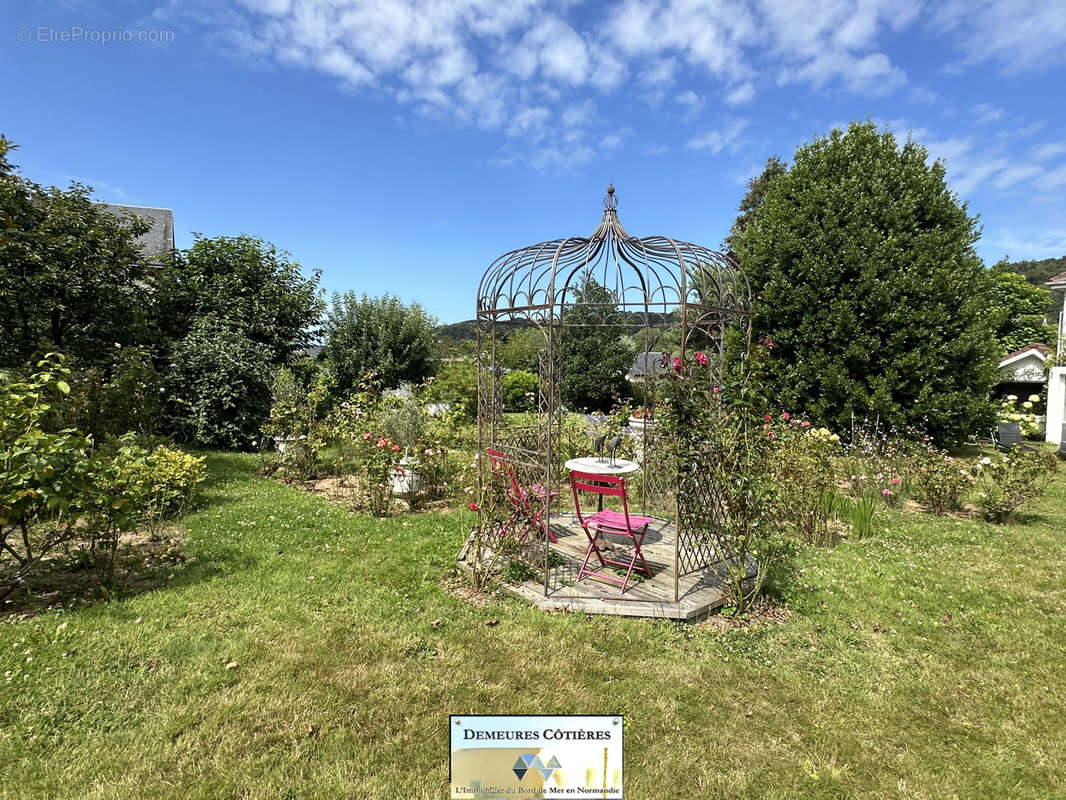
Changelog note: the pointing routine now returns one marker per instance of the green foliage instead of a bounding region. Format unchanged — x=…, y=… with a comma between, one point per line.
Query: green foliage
x=868, y=290
x=72, y=278
x=246, y=283
x=521, y=349
x=1007, y=482
x=803, y=467
x=1018, y=310
x=382, y=335
x=295, y=423
x=163, y=482
x=751, y=203
x=725, y=454
x=404, y=421
x=519, y=390
x=942, y=482
x=56, y=491
x=455, y=383
x=1038, y=273
x=127, y=397
x=218, y=386
x=1023, y=412
x=595, y=353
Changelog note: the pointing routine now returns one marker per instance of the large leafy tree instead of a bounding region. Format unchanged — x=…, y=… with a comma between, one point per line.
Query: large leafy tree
x=380, y=335
x=1019, y=311
x=869, y=289
x=246, y=283
x=595, y=352
x=72, y=277
x=230, y=310
x=1038, y=273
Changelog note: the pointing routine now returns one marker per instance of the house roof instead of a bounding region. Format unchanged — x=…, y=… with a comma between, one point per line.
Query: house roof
x=1058, y=281
x=647, y=364
x=1043, y=348
x=1038, y=349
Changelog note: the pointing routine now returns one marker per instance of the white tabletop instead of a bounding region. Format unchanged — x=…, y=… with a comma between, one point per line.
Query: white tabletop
x=619, y=466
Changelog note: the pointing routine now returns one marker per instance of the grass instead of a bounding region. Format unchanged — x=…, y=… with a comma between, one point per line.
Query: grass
x=311, y=653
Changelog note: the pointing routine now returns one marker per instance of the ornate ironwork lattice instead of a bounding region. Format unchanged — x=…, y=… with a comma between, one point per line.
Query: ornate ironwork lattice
x=670, y=295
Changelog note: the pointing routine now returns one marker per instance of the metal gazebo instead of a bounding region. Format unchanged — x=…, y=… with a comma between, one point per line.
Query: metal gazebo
x=660, y=290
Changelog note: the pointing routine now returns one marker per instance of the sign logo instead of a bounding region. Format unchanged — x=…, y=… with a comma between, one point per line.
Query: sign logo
x=536, y=757
x=528, y=761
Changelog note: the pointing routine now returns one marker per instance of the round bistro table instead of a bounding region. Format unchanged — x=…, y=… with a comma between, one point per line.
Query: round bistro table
x=606, y=466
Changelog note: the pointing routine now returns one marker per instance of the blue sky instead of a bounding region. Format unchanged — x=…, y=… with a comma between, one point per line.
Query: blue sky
x=401, y=146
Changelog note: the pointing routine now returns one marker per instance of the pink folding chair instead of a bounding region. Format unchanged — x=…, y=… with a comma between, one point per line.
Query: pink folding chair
x=607, y=522
x=527, y=503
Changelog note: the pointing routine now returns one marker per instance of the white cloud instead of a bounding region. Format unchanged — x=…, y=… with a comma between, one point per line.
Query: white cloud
x=718, y=139
x=1043, y=152
x=919, y=94
x=739, y=95
x=1020, y=35
x=1010, y=176
x=1055, y=179
x=986, y=112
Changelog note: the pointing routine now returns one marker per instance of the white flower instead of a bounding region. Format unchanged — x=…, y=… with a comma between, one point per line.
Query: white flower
x=986, y=461
x=1034, y=398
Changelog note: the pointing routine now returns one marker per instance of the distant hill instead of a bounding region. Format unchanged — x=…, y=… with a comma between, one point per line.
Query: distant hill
x=467, y=329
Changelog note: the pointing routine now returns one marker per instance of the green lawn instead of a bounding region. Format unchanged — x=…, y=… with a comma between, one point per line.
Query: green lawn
x=927, y=661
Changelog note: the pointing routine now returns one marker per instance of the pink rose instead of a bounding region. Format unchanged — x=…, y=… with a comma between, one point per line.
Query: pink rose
x=786, y=416
x=805, y=424
x=677, y=363
x=701, y=359
x=895, y=481
x=886, y=492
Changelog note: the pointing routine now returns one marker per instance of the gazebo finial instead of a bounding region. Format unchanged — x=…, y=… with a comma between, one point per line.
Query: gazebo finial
x=610, y=202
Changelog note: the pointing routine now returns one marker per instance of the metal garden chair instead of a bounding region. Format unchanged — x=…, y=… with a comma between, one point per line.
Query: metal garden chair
x=607, y=522
x=527, y=502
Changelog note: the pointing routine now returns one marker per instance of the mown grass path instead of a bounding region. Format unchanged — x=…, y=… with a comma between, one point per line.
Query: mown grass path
x=309, y=652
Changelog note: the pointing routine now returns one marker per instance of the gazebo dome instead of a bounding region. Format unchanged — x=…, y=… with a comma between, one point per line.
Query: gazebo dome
x=655, y=274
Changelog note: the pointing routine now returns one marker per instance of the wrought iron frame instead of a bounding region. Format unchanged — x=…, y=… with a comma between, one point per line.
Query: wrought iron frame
x=662, y=283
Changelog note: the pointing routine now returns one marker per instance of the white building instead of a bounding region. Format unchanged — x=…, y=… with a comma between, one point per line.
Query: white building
x=1056, y=381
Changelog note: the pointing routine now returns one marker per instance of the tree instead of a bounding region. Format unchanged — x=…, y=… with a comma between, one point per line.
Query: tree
x=595, y=354
x=1038, y=273
x=218, y=386
x=246, y=283
x=869, y=289
x=72, y=277
x=1018, y=310
x=751, y=203
x=382, y=335
x=521, y=350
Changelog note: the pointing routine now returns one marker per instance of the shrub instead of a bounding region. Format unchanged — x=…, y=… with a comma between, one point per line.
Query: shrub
x=866, y=279
x=404, y=421
x=56, y=491
x=1006, y=482
x=395, y=341
x=941, y=482
x=218, y=386
x=520, y=390
x=803, y=466
x=1024, y=413
x=727, y=449
x=294, y=423
x=455, y=383
x=163, y=481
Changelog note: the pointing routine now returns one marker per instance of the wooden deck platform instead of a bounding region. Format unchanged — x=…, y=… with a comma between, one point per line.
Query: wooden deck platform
x=698, y=594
